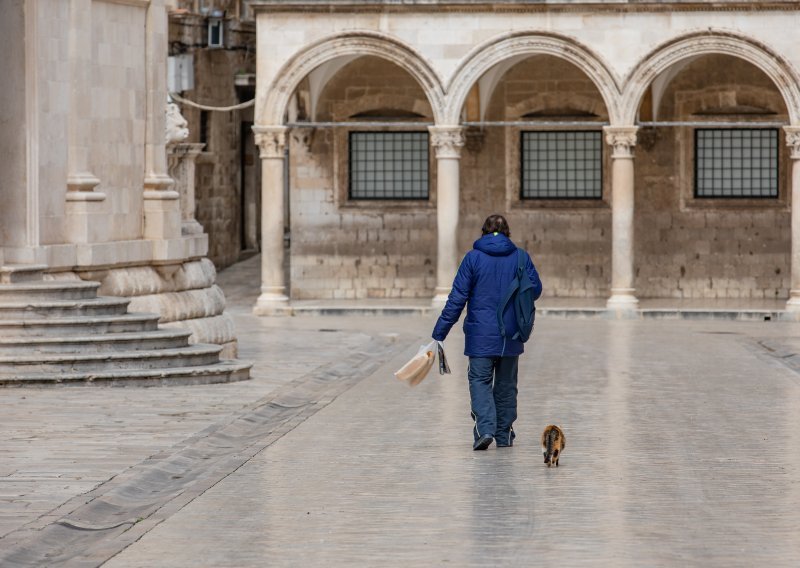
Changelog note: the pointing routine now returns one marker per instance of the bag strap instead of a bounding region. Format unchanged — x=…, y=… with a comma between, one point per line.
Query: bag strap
x=510, y=294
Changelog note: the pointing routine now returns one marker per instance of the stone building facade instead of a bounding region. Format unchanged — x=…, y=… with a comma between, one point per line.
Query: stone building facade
x=642, y=149
x=227, y=185
x=85, y=184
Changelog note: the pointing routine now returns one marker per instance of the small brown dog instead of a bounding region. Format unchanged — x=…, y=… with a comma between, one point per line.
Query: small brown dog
x=553, y=443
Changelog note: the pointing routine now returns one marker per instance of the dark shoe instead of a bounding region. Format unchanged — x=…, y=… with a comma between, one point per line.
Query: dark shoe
x=482, y=443
x=505, y=445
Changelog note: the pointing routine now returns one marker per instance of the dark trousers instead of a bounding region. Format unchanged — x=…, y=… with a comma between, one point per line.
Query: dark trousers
x=493, y=395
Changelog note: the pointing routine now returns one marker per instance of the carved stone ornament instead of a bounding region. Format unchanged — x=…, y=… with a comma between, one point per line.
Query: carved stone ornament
x=271, y=141
x=622, y=140
x=793, y=140
x=303, y=138
x=177, y=125
x=447, y=142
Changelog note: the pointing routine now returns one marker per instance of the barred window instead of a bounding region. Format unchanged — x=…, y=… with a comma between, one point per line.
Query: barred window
x=388, y=165
x=736, y=162
x=562, y=165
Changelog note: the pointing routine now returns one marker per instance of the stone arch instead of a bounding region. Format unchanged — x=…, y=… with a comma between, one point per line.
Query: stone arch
x=344, y=47
x=519, y=44
x=694, y=44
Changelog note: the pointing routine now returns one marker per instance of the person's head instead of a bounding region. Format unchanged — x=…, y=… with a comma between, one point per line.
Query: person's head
x=496, y=224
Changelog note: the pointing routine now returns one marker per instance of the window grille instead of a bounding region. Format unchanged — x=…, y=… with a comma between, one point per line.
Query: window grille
x=736, y=162
x=388, y=165
x=562, y=165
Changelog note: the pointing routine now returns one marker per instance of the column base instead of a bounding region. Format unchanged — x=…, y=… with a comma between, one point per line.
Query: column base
x=793, y=304
x=622, y=304
x=272, y=304
x=191, y=227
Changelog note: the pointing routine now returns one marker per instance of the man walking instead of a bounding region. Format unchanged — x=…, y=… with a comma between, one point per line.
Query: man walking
x=481, y=284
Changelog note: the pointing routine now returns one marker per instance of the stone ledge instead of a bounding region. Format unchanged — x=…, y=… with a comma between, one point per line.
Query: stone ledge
x=108, y=254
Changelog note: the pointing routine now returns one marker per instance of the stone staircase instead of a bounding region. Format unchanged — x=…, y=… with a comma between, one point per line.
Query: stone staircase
x=61, y=332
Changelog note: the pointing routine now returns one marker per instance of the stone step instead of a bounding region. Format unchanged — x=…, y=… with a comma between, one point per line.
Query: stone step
x=13, y=273
x=50, y=290
x=222, y=372
x=54, y=326
x=105, y=343
x=25, y=309
x=191, y=356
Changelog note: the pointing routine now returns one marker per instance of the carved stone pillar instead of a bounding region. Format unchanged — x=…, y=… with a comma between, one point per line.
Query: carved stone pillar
x=85, y=218
x=162, y=215
x=447, y=142
x=271, y=141
x=622, y=140
x=793, y=141
x=182, y=161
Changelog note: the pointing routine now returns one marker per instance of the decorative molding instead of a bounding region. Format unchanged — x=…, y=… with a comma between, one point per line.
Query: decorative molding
x=32, y=123
x=705, y=42
x=157, y=182
x=365, y=42
x=485, y=56
x=271, y=141
x=447, y=141
x=793, y=141
x=82, y=182
x=136, y=3
x=622, y=139
x=303, y=138
x=522, y=7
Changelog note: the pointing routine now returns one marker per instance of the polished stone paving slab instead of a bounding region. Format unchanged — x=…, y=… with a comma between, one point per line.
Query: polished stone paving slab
x=683, y=450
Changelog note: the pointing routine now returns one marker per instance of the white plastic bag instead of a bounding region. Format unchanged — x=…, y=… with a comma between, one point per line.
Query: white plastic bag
x=415, y=371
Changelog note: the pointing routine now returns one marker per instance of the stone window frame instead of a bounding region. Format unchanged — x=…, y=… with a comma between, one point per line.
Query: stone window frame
x=341, y=174
x=514, y=200
x=685, y=168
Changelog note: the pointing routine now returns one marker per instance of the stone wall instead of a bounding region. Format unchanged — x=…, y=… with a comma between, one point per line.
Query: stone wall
x=218, y=191
x=709, y=248
x=570, y=242
x=357, y=249
x=685, y=247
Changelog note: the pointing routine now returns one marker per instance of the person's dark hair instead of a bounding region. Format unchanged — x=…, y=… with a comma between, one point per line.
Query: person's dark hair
x=496, y=224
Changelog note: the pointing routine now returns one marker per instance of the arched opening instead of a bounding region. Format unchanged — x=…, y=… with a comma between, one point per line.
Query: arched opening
x=712, y=183
x=361, y=178
x=535, y=151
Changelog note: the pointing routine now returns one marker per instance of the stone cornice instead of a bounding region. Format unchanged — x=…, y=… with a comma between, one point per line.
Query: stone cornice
x=522, y=6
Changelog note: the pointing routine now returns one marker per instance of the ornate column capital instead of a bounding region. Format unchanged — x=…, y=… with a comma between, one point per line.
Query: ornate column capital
x=793, y=141
x=447, y=141
x=271, y=141
x=622, y=139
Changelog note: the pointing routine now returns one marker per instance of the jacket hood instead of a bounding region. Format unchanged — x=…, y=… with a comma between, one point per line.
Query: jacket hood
x=495, y=244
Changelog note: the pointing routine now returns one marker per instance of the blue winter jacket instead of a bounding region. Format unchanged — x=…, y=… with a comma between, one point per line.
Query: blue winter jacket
x=482, y=280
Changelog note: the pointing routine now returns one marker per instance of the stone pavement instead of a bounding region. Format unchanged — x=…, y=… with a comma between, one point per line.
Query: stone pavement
x=683, y=442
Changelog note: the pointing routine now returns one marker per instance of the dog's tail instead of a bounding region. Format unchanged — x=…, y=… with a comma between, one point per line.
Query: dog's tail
x=552, y=436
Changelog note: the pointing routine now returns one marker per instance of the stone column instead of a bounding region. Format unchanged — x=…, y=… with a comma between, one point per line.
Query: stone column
x=447, y=142
x=162, y=215
x=622, y=140
x=182, y=161
x=271, y=141
x=793, y=141
x=85, y=217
